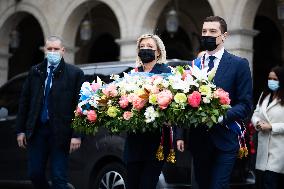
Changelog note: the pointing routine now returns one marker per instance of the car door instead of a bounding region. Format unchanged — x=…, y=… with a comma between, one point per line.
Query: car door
x=13, y=164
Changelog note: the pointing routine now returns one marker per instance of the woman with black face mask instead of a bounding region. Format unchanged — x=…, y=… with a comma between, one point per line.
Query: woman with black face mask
x=143, y=169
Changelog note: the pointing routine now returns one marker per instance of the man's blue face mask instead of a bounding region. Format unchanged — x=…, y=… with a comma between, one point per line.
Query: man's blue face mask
x=53, y=58
x=273, y=85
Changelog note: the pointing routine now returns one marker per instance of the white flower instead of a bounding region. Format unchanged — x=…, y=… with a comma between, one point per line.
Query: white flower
x=178, y=84
x=206, y=100
x=85, y=112
x=99, y=81
x=165, y=83
x=93, y=101
x=114, y=77
x=86, y=91
x=82, y=103
x=86, y=88
x=158, y=81
x=150, y=114
x=109, y=102
x=199, y=74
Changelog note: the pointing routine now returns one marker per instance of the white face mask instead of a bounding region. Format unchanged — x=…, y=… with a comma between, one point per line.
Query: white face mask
x=53, y=57
x=273, y=85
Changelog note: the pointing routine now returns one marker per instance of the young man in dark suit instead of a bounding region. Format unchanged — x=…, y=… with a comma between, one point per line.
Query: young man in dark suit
x=215, y=150
x=49, y=98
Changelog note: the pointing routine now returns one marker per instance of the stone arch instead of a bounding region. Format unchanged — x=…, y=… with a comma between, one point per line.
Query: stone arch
x=218, y=7
x=248, y=10
x=190, y=22
x=243, y=11
x=7, y=20
x=105, y=31
x=146, y=23
x=74, y=14
x=76, y=11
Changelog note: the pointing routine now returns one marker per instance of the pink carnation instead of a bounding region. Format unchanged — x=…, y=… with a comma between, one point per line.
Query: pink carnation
x=92, y=115
x=110, y=90
x=127, y=115
x=123, y=101
x=194, y=99
x=223, y=96
x=138, y=103
x=164, y=98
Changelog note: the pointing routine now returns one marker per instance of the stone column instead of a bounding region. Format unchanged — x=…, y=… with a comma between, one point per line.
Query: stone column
x=127, y=48
x=240, y=43
x=69, y=55
x=4, y=60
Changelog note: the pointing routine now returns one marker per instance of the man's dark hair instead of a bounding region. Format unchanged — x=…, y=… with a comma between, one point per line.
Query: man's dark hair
x=279, y=71
x=223, y=24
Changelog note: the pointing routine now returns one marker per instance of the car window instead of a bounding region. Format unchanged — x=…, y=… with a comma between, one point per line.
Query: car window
x=10, y=94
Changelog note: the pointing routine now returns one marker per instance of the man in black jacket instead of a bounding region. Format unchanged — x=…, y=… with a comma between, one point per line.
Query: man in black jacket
x=49, y=98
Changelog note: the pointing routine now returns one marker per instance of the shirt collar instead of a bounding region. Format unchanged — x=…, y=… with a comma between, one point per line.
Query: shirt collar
x=55, y=66
x=218, y=54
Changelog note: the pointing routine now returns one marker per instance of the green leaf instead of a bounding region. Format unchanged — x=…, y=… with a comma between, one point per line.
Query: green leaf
x=214, y=119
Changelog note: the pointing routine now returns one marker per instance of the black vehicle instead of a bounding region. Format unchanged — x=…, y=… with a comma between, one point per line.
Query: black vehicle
x=99, y=161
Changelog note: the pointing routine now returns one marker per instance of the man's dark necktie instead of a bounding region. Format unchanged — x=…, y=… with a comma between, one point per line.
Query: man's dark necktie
x=44, y=112
x=211, y=63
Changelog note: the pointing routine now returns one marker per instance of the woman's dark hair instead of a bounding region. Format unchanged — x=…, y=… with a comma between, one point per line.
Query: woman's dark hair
x=279, y=71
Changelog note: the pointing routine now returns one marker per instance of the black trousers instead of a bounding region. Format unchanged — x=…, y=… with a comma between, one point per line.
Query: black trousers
x=269, y=180
x=143, y=174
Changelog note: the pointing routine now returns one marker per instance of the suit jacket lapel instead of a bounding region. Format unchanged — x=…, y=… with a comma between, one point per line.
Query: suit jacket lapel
x=223, y=66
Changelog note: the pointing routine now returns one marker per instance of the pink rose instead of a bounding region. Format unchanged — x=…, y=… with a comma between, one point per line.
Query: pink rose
x=79, y=111
x=95, y=86
x=155, y=90
x=110, y=90
x=223, y=96
x=130, y=97
x=92, y=115
x=138, y=103
x=123, y=101
x=127, y=115
x=156, y=78
x=194, y=99
x=164, y=98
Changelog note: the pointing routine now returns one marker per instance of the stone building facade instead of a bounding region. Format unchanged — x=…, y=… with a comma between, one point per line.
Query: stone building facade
x=253, y=27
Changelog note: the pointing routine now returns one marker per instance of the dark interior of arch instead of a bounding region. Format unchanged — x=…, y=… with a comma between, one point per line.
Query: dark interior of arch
x=28, y=53
x=267, y=52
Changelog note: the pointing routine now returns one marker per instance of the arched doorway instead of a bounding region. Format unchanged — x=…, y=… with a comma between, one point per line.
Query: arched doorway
x=31, y=39
x=101, y=47
x=185, y=43
x=104, y=49
x=267, y=52
x=178, y=46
